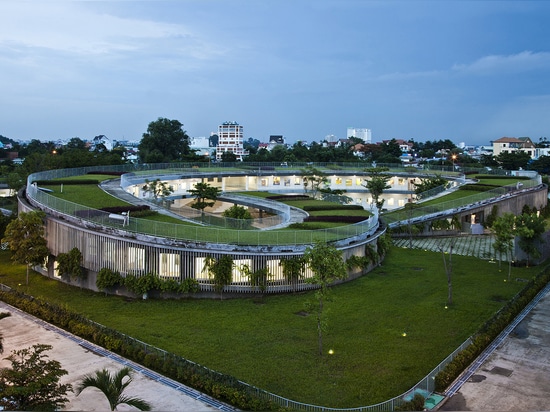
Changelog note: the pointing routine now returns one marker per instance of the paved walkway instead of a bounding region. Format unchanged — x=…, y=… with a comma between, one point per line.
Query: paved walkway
x=480, y=246
x=113, y=188
x=515, y=375
x=80, y=357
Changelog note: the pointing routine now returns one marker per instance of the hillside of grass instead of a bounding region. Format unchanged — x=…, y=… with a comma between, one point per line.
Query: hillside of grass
x=271, y=342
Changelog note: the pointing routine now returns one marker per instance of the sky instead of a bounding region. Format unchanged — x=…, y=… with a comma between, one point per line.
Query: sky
x=469, y=71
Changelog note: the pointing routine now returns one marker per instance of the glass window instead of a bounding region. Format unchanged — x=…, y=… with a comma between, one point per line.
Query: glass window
x=136, y=259
x=169, y=265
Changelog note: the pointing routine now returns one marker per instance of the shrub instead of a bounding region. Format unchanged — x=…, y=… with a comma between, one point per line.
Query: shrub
x=316, y=208
x=107, y=278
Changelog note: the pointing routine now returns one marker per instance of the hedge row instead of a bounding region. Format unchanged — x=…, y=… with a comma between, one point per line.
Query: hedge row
x=223, y=387
x=289, y=197
x=315, y=208
x=502, y=177
x=97, y=172
x=127, y=208
x=67, y=182
x=337, y=219
x=478, y=187
x=491, y=329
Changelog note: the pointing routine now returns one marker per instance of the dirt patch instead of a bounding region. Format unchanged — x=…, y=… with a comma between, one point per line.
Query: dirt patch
x=302, y=313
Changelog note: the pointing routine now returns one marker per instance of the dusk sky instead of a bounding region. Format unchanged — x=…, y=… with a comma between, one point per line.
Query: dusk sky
x=468, y=71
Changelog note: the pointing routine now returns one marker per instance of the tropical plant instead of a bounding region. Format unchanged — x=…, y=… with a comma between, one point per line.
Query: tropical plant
x=376, y=184
x=25, y=237
x=113, y=387
x=157, y=189
x=205, y=195
x=313, y=180
x=258, y=278
x=69, y=264
x=32, y=382
x=293, y=270
x=220, y=270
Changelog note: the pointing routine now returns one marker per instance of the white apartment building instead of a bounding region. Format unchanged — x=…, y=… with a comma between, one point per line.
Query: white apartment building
x=514, y=144
x=363, y=134
x=230, y=139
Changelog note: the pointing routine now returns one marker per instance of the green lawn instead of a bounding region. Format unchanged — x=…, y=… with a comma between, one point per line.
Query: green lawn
x=268, y=343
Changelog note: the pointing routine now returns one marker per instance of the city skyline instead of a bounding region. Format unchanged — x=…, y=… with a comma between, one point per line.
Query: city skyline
x=466, y=71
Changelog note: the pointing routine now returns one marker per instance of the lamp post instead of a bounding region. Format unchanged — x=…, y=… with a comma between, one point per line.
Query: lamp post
x=453, y=157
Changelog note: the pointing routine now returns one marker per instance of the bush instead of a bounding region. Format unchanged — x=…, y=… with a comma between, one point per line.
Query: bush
x=336, y=219
x=316, y=208
x=107, y=278
x=67, y=182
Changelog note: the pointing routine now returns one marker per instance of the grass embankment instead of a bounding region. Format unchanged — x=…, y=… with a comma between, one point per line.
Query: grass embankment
x=270, y=344
x=91, y=195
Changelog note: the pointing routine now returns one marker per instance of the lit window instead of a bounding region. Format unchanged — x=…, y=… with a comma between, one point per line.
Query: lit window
x=169, y=265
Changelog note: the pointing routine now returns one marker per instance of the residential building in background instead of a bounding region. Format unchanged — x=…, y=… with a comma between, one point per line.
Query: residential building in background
x=514, y=144
x=363, y=134
x=230, y=139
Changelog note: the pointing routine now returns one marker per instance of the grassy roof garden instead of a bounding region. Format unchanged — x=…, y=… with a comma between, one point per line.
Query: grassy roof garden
x=386, y=330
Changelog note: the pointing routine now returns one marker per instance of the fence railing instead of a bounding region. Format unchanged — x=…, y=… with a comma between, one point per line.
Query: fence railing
x=425, y=385
x=407, y=214
x=184, y=231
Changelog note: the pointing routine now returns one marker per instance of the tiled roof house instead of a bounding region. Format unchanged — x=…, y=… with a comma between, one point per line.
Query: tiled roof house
x=513, y=144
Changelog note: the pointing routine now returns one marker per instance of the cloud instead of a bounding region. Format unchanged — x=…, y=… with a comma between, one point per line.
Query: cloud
x=73, y=28
x=520, y=62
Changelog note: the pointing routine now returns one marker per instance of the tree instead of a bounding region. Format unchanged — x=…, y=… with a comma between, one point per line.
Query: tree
x=376, y=184
x=448, y=266
x=427, y=184
x=113, y=387
x=327, y=265
x=514, y=160
x=69, y=264
x=240, y=214
x=504, y=230
x=258, y=278
x=164, y=141
x=228, y=157
x=205, y=196
x=313, y=180
x=293, y=270
x=25, y=237
x=157, y=189
x=220, y=270
x=529, y=229
x=32, y=382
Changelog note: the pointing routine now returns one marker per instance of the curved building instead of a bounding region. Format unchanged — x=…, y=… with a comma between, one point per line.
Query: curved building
x=133, y=246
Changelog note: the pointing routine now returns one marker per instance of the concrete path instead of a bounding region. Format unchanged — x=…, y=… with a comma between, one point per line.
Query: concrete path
x=516, y=376
x=80, y=358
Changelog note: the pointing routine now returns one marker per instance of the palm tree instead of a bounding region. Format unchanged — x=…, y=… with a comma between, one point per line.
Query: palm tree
x=113, y=387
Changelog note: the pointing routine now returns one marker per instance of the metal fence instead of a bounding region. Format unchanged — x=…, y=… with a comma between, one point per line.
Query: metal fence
x=182, y=231
x=426, y=384
x=404, y=215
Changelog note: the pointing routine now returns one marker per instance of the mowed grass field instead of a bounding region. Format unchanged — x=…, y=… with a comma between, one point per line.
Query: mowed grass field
x=269, y=343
